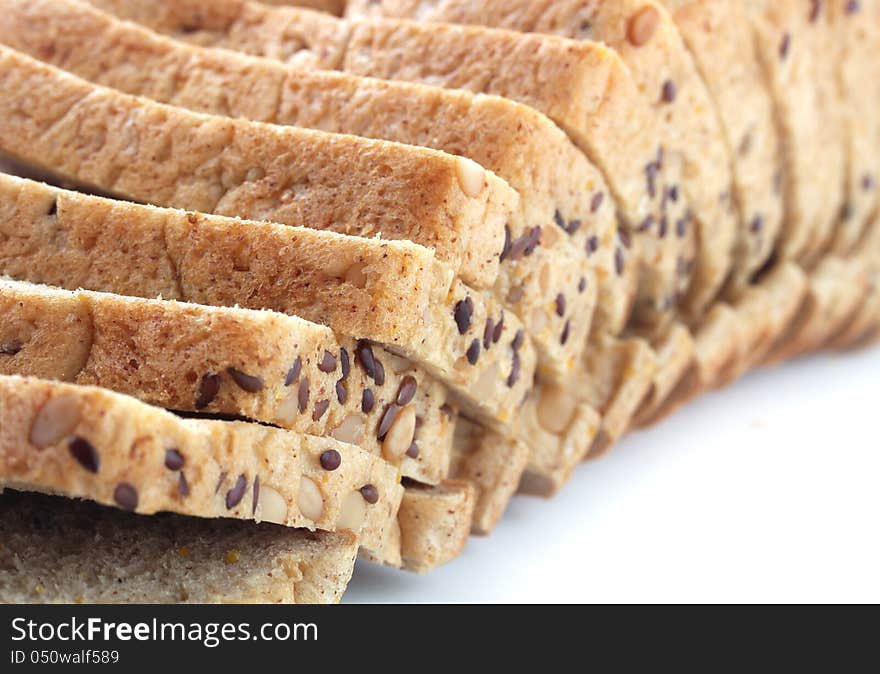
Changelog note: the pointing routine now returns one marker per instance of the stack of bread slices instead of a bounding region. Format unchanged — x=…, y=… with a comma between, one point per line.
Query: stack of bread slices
x=283, y=286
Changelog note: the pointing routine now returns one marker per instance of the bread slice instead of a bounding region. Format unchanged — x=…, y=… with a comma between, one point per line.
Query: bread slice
x=838, y=289
x=72, y=240
x=87, y=442
x=643, y=34
x=861, y=329
x=722, y=44
x=58, y=551
x=799, y=50
x=435, y=523
x=257, y=365
x=148, y=152
x=563, y=199
x=796, y=47
x=840, y=285
x=857, y=28
x=560, y=428
x=601, y=108
x=494, y=464
x=625, y=370
x=763, y=314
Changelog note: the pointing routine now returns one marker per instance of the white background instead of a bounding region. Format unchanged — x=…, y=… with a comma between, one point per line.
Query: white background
x=768, y=491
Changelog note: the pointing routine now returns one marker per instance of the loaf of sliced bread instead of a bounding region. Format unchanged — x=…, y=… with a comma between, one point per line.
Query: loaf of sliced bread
x=563, y=200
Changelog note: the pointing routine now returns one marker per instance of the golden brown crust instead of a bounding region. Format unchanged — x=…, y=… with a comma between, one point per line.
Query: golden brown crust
x=85, y=442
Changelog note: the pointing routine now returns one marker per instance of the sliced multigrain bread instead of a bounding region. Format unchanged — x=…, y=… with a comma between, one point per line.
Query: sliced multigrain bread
x=72, y=240
x=493, y=463
x=149, y=152
x=560, y=429
x=797, y=52
x=86, y=442
x=643, y=34
x=719, y=38
x=435, y=523
x=584, y=87
x=60, y=551
x=839, y=287
x=257, y=365
x=857, y=26
x=862, y=328
x=840, y=283
x=563, y=200
x=623, y=372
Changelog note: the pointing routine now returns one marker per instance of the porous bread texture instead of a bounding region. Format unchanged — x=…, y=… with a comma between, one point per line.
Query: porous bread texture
x=796, y=48
x=584, y=87
x=722, y=45
x=257, y=365
x=71, y=240
x=149, y=152
x=662, y=67
x=643, y=34
x=61, y=551
x=86, y=442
